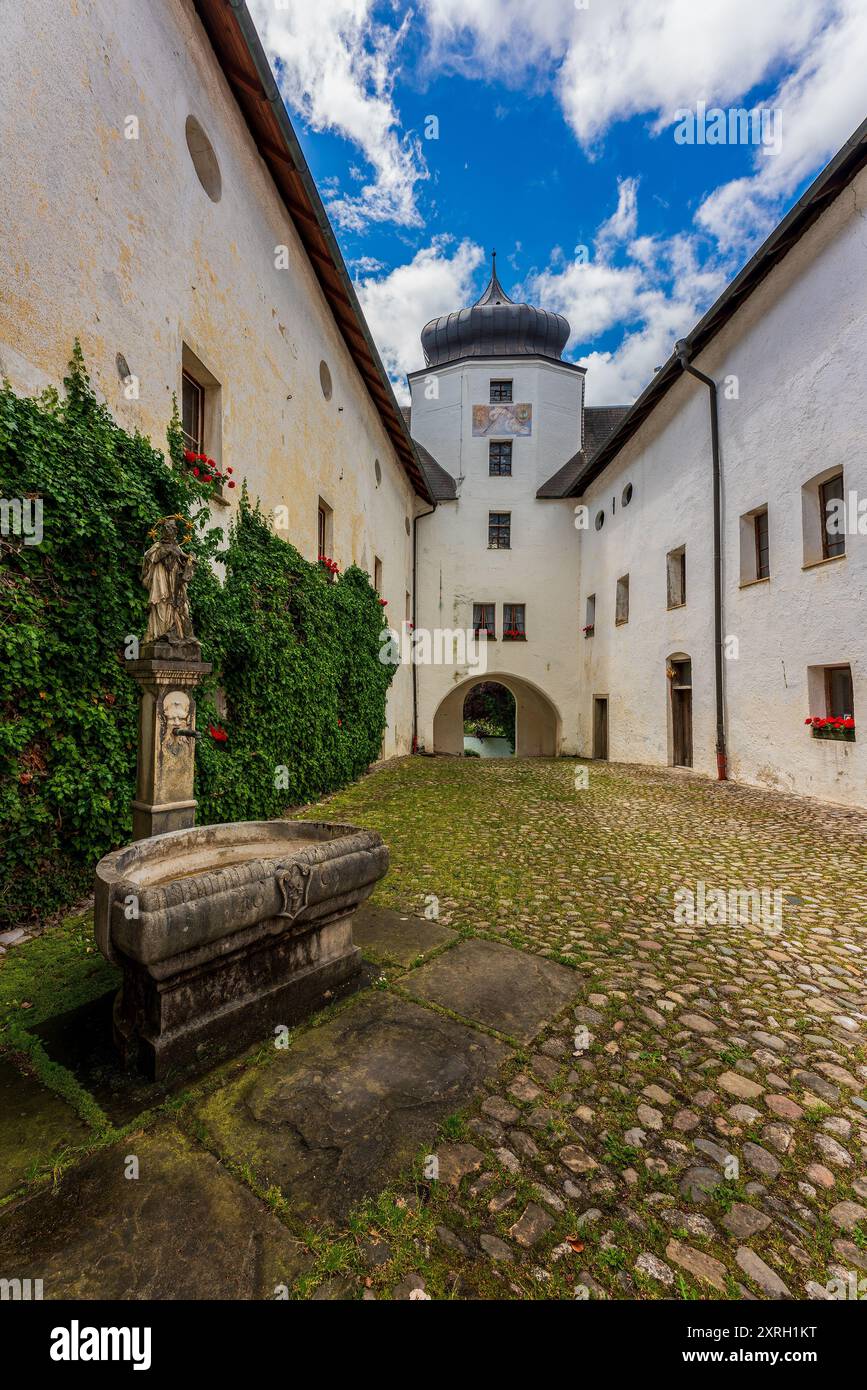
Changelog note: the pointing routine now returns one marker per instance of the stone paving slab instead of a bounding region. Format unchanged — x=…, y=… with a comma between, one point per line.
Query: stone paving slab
x=491, y=984
x=184, y=1229
x=36, y=1126
x=337, y=1115
x=397, y=936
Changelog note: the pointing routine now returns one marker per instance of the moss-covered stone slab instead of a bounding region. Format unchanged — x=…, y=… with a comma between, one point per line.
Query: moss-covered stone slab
x=182, y=1229
x=397, y=936
x=37, y=1126
x=352, y=1102
x=515, y=993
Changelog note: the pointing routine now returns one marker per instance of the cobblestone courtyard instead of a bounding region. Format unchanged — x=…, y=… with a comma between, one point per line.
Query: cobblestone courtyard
x=693, y=1123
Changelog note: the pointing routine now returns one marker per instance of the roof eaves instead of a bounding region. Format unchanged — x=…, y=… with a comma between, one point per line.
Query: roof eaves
x=245, y=65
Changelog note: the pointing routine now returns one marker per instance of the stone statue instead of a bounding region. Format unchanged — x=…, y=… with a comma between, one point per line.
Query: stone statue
x=166, y=573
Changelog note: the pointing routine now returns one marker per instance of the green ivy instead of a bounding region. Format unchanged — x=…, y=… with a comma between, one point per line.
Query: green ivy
x=296, y=656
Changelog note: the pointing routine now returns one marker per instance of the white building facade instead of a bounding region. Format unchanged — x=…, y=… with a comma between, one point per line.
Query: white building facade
x=619, y=655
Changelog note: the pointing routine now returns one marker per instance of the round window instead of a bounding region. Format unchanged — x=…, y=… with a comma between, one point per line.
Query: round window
x=377, y=468
x=600, y=520
x=627, y=495
x=204, y=160
x=325, y=380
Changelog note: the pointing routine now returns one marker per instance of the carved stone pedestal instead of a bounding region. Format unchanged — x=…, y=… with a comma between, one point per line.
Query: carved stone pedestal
x=168, y=673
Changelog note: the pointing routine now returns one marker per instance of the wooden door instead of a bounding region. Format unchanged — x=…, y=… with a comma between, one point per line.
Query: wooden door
x=600, y=727
x=681, y=712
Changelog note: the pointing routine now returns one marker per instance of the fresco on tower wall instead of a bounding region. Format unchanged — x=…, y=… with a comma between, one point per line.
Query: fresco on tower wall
x=505, y=418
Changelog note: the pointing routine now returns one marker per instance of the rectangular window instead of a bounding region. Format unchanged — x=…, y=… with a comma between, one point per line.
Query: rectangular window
x=500, y=391
x=590, y=615
x=763, y=550
x=408, y=606
x=833, y=534
x=676, y=572
x=838, y=692
x=202, y=414
x=621, y=610
x=324, y=529
x=500, y=458
x=500, y=530
x=484, y=619
x=514, y=623
x=193, y=414
x=377, y=574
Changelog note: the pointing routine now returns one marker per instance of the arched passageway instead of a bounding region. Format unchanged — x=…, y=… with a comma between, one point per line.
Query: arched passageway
x=489, y=721
x=537, y=723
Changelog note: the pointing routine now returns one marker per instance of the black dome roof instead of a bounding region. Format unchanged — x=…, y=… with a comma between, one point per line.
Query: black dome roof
x=494, y=327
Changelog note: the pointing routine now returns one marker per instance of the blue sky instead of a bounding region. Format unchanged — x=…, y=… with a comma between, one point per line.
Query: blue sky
x=556, y=131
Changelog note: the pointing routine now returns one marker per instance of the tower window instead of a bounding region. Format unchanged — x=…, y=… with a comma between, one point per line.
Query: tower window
x=500, y=391
x=500, y=530
x=500, y=458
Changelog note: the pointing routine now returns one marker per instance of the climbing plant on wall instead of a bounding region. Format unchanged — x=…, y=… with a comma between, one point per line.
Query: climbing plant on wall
x=302, y=700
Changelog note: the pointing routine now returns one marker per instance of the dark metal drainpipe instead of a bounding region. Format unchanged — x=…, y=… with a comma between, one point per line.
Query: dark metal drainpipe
x=682, y=350
x=415, y=521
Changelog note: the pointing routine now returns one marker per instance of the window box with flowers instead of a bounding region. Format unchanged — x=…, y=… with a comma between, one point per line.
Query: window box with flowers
x=329, y=567
x=838, y=727
x=205, y=471
x=512, y=634
x=589, y=629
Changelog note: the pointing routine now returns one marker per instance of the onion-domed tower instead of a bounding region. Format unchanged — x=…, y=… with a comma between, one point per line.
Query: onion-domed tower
x=495, y=326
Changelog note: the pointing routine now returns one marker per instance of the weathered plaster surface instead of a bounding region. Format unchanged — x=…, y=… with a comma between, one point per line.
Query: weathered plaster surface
x=115, y=241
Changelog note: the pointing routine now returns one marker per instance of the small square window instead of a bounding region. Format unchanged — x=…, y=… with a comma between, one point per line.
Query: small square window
x=484, y=619
x=514, y=622
x=500, y=391
x=621, y=611
x=500, y=530
x=500, y=458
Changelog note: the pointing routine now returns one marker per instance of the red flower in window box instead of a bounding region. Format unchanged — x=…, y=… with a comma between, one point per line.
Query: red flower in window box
x=588, y=630
x=512, y=634
x=840, y=726
x=383, y=603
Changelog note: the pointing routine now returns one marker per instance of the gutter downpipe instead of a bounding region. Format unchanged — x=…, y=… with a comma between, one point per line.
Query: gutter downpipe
x=682, y=350
x=416, y=519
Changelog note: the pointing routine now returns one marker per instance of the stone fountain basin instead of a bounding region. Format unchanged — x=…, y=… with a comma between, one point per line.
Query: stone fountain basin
x=161, y=897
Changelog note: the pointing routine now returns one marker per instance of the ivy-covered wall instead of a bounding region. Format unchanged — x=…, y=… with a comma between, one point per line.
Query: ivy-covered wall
x=296, y=656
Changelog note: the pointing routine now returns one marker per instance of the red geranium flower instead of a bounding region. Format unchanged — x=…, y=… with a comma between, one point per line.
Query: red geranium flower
x=218, y=735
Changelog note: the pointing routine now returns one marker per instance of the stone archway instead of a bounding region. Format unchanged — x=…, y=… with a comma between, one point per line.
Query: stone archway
x=537, y=722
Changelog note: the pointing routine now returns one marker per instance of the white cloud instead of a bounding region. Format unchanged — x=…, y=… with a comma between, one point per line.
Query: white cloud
x=822, y=102
x=656, y=292
x=619, y=59
x=613, y=61
x=336, y=66
x=621, y=225
x=438, y=280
